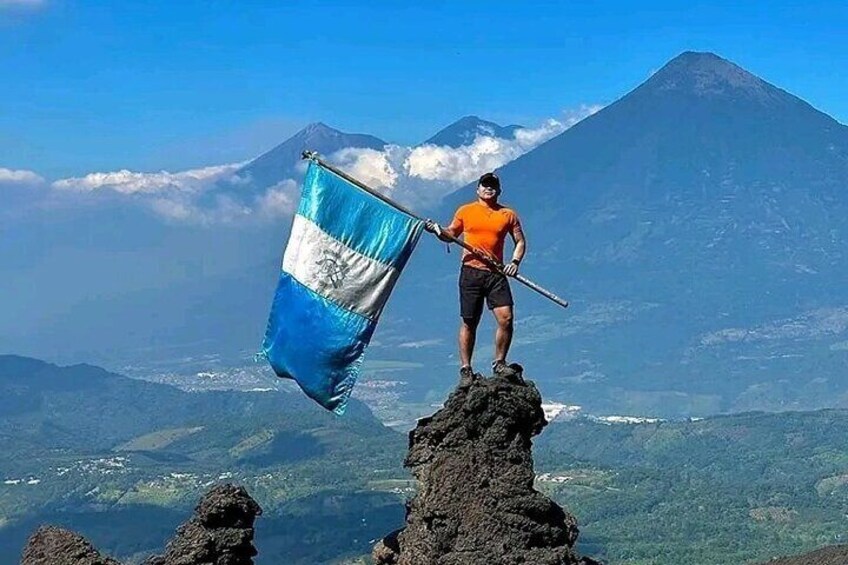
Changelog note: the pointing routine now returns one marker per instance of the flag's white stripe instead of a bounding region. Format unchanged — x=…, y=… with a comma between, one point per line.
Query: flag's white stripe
x=335, y=271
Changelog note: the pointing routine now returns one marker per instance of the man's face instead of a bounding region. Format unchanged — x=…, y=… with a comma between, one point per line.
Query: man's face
x=488, y=193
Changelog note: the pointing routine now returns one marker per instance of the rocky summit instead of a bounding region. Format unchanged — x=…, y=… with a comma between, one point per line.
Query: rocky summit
x=50, y=545
x=220, y=533
x=476, y=502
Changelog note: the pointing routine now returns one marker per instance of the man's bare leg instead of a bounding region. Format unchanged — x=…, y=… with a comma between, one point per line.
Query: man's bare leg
x=467, y=338
x=503, y=335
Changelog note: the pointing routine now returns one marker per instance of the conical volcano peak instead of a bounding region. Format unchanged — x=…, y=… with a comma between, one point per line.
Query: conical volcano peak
x=282, y=162
x=465, y=130
x=317, y=128
x=707, y=74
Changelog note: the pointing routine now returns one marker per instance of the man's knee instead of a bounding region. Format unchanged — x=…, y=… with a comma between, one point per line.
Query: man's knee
x=471, y=322
x=504, y=317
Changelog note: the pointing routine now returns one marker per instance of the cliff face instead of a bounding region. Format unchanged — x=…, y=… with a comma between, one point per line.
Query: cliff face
x=476, y=502
x=219, y=533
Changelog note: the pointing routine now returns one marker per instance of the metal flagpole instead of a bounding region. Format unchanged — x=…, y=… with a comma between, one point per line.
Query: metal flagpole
x=491, y=262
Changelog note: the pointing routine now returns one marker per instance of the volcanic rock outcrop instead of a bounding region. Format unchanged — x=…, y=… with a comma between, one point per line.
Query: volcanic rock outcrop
x=220, y=533
x=476, y=502
x=50, y=545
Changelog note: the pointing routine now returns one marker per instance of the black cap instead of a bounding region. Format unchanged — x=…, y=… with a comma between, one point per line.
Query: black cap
x=490, y=180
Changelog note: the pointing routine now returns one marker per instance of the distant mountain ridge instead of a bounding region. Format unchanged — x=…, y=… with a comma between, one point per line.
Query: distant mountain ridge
x=465, y=130
x=281, y=162
x=99, y=409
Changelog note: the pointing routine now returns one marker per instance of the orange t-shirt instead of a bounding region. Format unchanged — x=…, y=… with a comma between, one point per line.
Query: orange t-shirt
x=484, y=228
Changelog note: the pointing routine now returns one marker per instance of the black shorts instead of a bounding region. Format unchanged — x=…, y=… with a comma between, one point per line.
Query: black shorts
x=476, y=285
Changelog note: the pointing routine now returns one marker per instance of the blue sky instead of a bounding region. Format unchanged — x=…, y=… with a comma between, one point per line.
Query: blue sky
x=97, y=85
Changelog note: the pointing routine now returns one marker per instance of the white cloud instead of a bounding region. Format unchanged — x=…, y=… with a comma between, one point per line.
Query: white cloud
x=173, y=209
x=129, y=182
x=280, y=200
x=190, y=196
x=385, y=171
x=184, y=196
x=460, y=165
x=22, y=177
x=372, y=167
x=421, y=176
x=416, y=176
x=223, y=209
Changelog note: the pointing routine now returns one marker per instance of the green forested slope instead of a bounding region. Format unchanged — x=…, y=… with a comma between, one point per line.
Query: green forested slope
x=123, y=461
x=725, y=490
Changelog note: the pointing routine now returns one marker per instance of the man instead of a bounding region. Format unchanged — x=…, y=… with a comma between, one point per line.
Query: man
x=484, y=225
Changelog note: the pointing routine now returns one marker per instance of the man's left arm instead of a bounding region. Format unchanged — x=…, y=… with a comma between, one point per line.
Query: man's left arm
x=511, y=268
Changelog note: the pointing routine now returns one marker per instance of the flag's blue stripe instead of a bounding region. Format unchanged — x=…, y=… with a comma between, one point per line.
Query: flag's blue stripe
x=357, y=219
x=316, y=342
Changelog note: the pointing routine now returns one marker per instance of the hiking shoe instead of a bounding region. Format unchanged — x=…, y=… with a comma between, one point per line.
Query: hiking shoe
x=511, y=372
x=466, y=376
x=500, y=368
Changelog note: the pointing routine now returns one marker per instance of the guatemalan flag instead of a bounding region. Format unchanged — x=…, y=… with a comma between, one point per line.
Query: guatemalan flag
x=344, y=255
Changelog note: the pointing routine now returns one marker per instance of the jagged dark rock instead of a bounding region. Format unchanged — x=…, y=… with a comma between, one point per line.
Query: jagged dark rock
x=50, y=545
x=220, y=532
x=476, y=502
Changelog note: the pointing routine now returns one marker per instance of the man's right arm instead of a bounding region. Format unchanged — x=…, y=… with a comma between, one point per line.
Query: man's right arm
x=454, y=230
